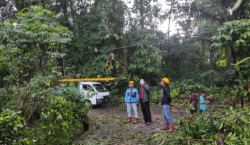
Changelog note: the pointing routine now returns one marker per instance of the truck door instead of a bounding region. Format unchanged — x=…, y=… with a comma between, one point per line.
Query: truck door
x=88, y=90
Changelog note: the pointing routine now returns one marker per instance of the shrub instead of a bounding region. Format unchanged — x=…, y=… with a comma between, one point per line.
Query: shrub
x=10, y=125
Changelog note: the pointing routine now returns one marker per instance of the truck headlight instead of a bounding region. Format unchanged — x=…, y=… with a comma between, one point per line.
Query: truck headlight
x=99, y=97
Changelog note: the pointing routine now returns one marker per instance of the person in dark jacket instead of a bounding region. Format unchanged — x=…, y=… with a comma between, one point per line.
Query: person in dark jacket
x=193, y=101
x=165, y=105
x=144, y=101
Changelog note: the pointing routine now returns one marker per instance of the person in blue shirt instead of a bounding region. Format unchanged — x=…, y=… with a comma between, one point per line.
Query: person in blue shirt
x=131, y=101
x=203, y=102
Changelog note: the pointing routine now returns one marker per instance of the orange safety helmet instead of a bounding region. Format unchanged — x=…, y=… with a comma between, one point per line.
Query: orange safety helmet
x=166, y=80
x=131, y=82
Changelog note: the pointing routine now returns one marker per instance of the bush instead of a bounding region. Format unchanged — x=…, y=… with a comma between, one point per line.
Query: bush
x=60, y=121
x=31, y=82
x=56, y=119
x=230, y=126
x=10, y=126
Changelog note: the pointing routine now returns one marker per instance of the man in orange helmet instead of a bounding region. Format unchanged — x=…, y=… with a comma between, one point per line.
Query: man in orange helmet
x=165, y=105
x=131, y=100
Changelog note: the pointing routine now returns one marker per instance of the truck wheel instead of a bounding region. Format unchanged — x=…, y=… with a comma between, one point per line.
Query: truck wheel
x=86, y=126
x=88, y=103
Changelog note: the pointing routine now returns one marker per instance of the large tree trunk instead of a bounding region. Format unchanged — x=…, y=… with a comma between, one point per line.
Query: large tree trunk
x=125, y=62
x=248, y=87
x=141, y=14
x=169, y=20
x=236, y=73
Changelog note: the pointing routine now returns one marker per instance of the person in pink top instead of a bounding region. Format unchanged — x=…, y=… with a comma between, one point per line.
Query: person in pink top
x=193, y=101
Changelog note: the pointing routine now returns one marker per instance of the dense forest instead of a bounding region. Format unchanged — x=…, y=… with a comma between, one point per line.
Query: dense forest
x=43, y=41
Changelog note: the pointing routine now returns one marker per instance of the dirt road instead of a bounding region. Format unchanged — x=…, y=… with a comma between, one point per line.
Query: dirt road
x=108, y=126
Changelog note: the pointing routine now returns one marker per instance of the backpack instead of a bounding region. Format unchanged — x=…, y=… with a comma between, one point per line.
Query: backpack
x=133, y=94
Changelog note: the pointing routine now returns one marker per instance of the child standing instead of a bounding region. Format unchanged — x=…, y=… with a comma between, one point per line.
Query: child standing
x=194, y=101
x=203, y=102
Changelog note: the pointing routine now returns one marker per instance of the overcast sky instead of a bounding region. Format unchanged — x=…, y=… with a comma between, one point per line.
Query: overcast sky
x=164, y=25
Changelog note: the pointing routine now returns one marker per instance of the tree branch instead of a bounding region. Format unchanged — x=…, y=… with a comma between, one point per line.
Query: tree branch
x=30, y=104
x=190, y=139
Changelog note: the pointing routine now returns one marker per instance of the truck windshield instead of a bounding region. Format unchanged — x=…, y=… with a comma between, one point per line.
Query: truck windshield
x=100, y=88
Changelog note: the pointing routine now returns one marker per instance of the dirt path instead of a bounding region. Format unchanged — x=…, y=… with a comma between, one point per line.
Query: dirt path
x=108, y=126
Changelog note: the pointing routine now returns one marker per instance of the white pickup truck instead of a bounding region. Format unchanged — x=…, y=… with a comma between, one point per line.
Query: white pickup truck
x=101, y=94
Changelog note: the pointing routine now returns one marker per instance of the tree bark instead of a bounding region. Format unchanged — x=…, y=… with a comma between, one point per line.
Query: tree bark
x=141, y=14
x=169, y=20
x=220, y=139
x=237, y=72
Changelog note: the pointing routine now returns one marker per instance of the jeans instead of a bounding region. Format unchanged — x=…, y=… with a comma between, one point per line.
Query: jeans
x=145, y=108
x=134, y=106
x=166, y=114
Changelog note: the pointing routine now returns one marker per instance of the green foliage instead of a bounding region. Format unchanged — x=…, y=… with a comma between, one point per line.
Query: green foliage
x=234, y=45
x=235, y=38
x=35, y=39
x=30, y=50
x=27, y=44
x=233, y=125
x=155, y=96
x=10, y=124
x=60, y=121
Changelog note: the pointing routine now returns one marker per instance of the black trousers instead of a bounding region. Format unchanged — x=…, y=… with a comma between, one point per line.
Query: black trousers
x=146, y=111
x=193, y=111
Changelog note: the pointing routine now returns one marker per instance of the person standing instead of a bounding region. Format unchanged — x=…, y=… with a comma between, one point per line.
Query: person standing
x=131, y=101
x=144, y=101
x=203, y=102
x=165, y=105
x=193, y=101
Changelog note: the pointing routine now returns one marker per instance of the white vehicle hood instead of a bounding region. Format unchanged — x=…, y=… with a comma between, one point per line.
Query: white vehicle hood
x=103, y=94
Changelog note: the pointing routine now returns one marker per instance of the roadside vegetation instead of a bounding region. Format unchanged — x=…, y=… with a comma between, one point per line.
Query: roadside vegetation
x=43, y=41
